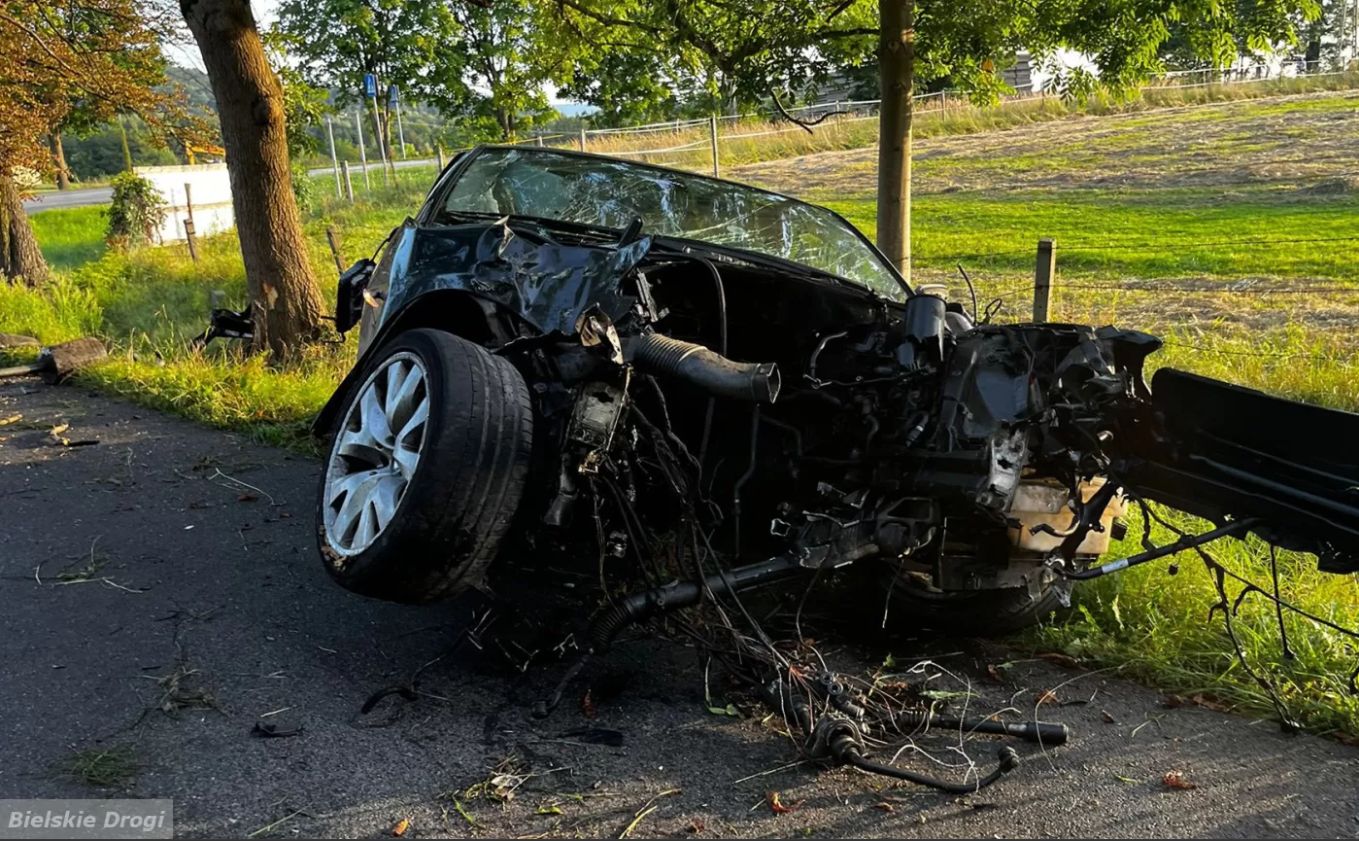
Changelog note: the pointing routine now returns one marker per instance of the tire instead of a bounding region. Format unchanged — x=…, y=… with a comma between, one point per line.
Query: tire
x=435, y=535
x=916, y=605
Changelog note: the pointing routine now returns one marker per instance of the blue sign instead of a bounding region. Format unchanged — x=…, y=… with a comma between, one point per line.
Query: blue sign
x=392, y=96
x=370, y=85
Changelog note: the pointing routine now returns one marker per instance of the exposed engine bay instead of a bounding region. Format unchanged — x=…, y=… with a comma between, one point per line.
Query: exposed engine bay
x=702, y=419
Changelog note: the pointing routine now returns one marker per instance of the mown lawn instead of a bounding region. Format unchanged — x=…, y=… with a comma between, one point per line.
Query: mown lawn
x=1214, y=228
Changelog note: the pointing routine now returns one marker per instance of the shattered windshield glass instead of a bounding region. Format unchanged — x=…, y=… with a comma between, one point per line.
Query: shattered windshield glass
x=591, y=191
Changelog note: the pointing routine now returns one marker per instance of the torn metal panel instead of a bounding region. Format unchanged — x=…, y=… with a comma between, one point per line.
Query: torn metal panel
x=547, y=283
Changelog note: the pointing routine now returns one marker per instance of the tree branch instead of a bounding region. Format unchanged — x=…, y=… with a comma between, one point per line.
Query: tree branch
x=806, y=124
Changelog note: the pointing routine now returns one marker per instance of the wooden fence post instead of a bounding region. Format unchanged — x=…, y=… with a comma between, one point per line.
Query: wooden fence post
x=712, y=140
x=334, y=249
x=348, y=184
x=439, y=156
x=582, y=138
x=189, y=238
x=188, y=201
x=1044, y=274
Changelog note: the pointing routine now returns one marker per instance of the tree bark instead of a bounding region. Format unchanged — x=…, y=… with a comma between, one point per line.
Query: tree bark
x=59, y=161
x=896, y=74
x=21, y=260
x=285, y=300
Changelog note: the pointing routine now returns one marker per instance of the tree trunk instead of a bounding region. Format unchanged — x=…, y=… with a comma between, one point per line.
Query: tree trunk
x=127, y=150
x=20, y=258
x=285, y=300
x=896, y=74
x=59, y=161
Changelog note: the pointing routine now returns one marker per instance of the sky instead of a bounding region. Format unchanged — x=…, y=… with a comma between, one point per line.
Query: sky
x=186, y=55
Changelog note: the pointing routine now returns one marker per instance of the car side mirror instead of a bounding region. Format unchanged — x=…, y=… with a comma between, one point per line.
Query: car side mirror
x=349, y=294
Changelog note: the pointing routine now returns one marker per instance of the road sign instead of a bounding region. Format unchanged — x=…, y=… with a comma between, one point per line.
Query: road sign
x=370, y=85
x=392, y=96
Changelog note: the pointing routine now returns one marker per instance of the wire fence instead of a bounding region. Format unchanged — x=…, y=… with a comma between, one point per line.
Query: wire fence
x=706, y=144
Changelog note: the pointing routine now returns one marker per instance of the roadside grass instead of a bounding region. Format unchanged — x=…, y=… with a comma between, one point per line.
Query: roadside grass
x=1246, y=275
x=150, y=303
x=110, y=767
x=70, y=236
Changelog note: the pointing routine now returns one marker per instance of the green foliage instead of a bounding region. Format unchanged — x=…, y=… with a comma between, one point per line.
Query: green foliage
x=304, y=188
x=98, y=153
x=481, y=61
x=304, y=105
x=741, y=53
x=135, y=212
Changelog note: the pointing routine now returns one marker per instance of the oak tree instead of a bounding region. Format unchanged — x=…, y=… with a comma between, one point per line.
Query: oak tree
x=285, y=300
x=84, y=60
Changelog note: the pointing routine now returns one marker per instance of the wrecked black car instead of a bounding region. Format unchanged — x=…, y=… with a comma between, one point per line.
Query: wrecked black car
x=668, y=389
x=682, y=379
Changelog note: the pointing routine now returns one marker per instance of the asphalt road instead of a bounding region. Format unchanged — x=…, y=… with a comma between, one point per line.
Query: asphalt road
x=162, y=595
x=57, y=199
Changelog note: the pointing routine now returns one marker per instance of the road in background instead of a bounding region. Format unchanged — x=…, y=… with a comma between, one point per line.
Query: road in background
x=59, y=199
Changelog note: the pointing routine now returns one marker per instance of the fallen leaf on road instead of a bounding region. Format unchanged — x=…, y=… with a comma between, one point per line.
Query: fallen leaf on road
x=1047, y=696
x=696, y=826
x=247, y=497
x=884, y=806
x=1108, y=717
x=587, y=705
x=1177, y=780
x=777, y=806
x=401, y=827
x=1172, y=701
x=993, y=672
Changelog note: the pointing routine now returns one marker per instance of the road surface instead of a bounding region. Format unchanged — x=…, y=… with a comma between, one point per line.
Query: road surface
x=162, y=595
x=84, y=197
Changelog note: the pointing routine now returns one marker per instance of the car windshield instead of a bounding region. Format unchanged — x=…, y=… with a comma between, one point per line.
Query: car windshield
x=607, y=193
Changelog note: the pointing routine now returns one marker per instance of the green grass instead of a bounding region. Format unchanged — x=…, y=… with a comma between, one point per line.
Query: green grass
x=1158, y=216
x=109, y=767
x=1144, y=234
x=70, y=237
x=149, y=303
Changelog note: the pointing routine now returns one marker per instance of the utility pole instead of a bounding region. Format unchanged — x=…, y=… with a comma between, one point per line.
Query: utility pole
x=334, y=160
x=394, y=102
x=363, y=156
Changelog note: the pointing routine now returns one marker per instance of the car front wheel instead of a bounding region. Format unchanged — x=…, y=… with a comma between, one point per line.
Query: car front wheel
x=426, y=469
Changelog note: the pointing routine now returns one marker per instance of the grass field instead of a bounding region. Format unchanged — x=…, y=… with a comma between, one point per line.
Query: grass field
x=1226, y=227
x=744, y=141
